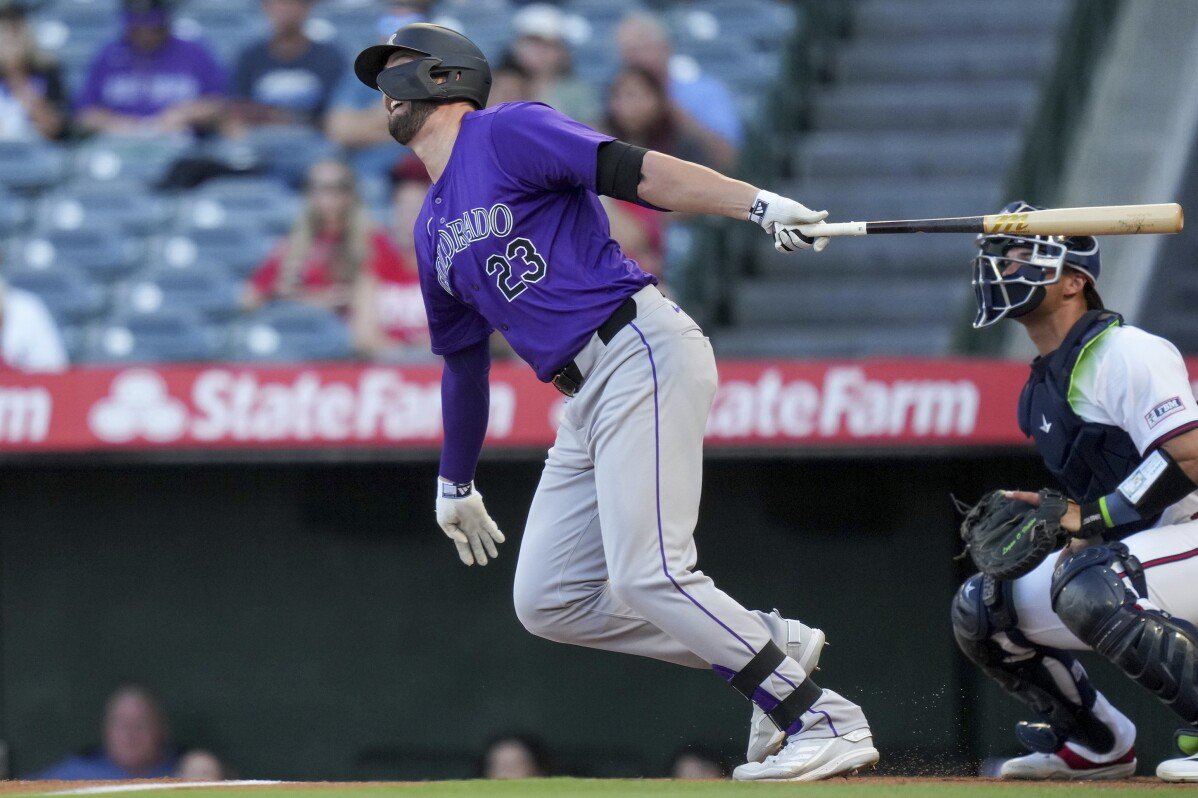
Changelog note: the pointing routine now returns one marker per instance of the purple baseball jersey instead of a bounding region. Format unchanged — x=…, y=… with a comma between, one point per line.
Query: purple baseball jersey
x=513, y=238
x=133, y=83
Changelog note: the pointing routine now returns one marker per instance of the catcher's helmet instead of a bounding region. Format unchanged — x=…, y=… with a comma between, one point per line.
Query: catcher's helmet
x=440, y=52
x=1014, y=286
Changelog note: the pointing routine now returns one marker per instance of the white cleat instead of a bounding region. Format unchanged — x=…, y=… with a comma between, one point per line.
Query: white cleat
x=813, y=759
x=804, y=645
x=1067, y=765
x=1185, y=768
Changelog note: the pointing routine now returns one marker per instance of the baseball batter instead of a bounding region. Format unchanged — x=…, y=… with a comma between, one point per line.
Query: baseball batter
x=1113, y=415
x=512, y=237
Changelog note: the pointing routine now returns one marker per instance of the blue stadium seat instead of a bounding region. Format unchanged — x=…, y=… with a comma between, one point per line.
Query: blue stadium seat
x=764, y=22
x=138, y=158
x=207, y=290
x=13, y=212
x=238, y=249
x=598, y=10
x=123, y=205
x=74, y=30
x=168, y=336
x=70, y=296
x=29, y=166
x=267, y=203
x=286, y=151
x=101, y=254
x=290, y=331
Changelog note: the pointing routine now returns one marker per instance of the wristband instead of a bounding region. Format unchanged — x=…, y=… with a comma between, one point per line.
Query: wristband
x=1144, y=494
x=453, y=490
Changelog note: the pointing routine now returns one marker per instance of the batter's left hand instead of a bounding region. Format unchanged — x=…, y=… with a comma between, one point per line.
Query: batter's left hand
x=781, y=217
x=1071, y=521
x=463, y=518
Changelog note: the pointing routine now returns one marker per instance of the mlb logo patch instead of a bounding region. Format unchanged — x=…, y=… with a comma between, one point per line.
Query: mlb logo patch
x=1162, y=411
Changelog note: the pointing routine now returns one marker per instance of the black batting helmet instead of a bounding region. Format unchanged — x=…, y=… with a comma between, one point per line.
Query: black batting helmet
x=440, y=52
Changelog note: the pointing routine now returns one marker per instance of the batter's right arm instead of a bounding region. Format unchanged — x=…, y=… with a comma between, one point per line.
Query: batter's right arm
x=669, y=182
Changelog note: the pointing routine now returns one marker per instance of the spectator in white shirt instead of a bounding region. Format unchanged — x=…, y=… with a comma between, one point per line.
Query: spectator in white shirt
x=29, y=338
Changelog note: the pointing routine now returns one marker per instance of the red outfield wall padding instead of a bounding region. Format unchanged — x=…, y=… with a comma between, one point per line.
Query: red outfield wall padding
x=760, y=404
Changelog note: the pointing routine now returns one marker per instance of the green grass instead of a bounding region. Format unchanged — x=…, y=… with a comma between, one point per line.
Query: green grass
x=652, y=789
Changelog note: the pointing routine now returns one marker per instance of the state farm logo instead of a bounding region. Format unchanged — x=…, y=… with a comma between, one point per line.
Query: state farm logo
x=24, y=414
x=230, y=406
x=846, y=403
x=138, y=406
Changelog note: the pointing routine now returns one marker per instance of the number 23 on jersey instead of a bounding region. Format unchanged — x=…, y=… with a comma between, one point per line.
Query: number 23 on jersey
x=519, y=266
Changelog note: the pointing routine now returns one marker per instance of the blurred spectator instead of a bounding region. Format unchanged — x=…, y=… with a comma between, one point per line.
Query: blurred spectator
x=516, y=756
x=200, y=765
x=149, y=80
x=336, y=257
x=286, y=78
x=540, y=50
x=641, y=234
x=29, y=338
x=696, y=761
x=33, y=101
x=510, y=83
x=700, y=104
x=136, y=743
x=639, y=112
x=356, y=119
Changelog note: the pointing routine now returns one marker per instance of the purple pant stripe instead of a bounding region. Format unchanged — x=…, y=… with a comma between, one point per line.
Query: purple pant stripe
x=831, y=725
x=661, y=544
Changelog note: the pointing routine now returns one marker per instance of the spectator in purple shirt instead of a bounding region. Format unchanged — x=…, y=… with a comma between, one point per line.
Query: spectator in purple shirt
x=136, y=743
x=149, y=80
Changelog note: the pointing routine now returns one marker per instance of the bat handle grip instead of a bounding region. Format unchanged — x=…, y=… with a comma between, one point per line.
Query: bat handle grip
x=832, y=229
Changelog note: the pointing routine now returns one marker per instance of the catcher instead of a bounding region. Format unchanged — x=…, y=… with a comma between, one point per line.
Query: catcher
x=1113, y=415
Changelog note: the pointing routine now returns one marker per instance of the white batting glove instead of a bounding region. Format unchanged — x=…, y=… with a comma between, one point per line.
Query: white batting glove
x=781, y=217
x=464, y=519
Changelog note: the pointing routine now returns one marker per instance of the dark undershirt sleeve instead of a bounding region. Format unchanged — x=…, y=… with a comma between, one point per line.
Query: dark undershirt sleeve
x=465, y=403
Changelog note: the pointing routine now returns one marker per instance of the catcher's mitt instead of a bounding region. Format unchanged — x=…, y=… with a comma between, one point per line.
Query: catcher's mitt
x=1007, y=538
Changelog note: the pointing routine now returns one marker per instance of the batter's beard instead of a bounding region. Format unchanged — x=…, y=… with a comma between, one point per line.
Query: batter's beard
x=404, y=126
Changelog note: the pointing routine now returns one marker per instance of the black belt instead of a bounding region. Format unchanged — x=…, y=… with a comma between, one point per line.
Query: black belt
x=569, y=378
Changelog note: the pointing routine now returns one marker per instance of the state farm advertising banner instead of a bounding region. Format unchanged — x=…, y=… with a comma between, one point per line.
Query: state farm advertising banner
x=760, y=404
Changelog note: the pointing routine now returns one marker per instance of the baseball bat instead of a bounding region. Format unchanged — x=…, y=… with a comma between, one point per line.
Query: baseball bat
x=1097, y=221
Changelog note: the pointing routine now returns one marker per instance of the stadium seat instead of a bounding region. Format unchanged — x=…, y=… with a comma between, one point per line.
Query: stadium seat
x=267, y=203
x=763, y=22
x=289, y=332
x=12, y=212
x=69, y=295
x=101, y=254
x=167, y=336
x=29, y=166
x=237, y=248
x=286, y=151
x=129, y=158
x=123, y=205
x=208, y=290
x=74, y=30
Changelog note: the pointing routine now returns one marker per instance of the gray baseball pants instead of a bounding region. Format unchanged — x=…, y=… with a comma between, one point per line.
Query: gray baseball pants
x=608, y=554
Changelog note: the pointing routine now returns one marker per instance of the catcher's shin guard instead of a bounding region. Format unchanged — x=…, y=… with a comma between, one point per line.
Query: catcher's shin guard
x=1048, y=680
x=1153, y=648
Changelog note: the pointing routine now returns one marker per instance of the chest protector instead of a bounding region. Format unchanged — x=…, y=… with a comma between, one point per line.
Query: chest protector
x=1088, y=459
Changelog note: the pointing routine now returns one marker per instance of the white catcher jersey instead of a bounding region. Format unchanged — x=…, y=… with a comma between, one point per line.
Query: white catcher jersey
x=1138, y=382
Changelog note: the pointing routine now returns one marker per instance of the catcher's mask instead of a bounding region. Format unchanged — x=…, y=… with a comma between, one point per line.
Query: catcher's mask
x=1006, y=284
x=439, y=53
